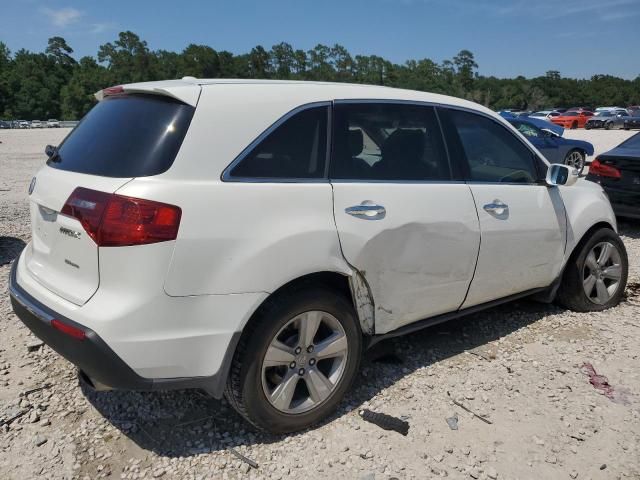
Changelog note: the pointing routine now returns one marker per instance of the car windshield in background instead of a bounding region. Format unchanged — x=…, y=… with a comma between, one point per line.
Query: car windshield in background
x=604, y=114
x=126, y=136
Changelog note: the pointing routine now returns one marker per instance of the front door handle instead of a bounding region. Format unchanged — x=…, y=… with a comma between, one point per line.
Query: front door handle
x=367, y=210
x=497, y=207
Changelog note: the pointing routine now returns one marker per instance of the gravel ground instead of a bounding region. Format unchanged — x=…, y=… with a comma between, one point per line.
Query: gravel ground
x=520, y=366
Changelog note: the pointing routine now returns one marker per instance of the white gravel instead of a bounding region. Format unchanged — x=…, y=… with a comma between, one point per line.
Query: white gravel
x=602, y=140
x=518, y=365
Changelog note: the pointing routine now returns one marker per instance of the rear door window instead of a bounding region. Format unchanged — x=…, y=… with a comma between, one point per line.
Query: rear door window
x=296, y=149
x=387, y=142
x=126, y=136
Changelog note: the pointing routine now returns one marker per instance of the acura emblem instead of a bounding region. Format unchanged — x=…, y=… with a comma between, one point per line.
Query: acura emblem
x=32, y=185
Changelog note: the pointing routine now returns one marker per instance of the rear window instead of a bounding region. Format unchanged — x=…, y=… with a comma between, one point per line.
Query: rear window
x=126, y=136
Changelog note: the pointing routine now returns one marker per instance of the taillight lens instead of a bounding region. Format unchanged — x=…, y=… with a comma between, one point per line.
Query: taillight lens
x=87, y=206
x=116, y=221
x=603, y=170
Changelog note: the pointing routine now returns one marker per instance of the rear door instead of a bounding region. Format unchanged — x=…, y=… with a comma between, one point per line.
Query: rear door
x=403, y=223
x=522, y=220
x=123, y=137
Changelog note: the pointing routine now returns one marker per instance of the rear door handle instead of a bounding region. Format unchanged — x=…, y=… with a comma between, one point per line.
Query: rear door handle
x=367, y=210
x=497, y=207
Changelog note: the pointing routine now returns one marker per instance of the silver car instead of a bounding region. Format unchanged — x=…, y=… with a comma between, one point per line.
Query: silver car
x=608, y=119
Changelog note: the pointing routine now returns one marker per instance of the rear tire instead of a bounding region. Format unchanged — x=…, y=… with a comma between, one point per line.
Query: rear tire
x=593, y=279
x=260, y=367
x=608, y=126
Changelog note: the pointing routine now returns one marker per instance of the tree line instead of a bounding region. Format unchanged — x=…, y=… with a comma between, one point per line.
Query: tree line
x=53, y=84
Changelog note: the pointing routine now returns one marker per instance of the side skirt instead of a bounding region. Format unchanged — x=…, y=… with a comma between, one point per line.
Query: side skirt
x=445, y=317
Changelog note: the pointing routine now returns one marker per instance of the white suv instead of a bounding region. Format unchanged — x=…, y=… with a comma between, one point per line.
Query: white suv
x=251, y=238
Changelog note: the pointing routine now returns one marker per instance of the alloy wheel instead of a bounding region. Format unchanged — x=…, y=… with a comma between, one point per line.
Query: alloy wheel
x=602, y=272
x=304, y=362
x=575, y=159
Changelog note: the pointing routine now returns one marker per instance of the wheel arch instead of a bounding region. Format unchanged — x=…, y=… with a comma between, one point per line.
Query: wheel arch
x=586, y=235
x=352, y=285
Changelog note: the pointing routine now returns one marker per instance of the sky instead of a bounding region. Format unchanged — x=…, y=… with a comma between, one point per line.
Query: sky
x=579, y=38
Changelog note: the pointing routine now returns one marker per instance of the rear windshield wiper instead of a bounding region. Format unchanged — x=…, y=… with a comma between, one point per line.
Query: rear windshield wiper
x=53, y=154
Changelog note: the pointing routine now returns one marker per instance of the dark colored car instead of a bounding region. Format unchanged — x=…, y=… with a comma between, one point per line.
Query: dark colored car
x=607, y=119
x=632, y=122
x=618, y=171
x=4, y=125
x=555, y=148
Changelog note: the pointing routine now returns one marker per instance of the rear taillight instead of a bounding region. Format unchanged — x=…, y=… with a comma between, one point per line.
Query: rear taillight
x=603, y=170
x=116, y=221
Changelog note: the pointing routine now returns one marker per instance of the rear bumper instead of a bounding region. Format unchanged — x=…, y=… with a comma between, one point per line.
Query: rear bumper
x=625, y=203
x=93, y=355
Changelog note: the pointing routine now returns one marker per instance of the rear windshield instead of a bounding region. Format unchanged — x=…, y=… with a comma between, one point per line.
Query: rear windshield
x=126, y=136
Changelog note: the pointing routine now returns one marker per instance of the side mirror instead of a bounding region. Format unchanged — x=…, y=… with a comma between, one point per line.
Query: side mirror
x=50, y=150
x=559, y=174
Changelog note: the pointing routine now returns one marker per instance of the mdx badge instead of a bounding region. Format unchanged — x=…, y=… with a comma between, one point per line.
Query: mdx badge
x=32, y=185
x=69, y=233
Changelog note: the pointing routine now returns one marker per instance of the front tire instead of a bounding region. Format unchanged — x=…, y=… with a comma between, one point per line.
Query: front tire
x=574, y=125
x=296, y=360
x=596, y=275
x=608, y=126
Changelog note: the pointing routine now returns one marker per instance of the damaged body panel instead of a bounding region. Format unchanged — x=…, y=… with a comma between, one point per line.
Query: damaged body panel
x=418, y=260
x=363, y=301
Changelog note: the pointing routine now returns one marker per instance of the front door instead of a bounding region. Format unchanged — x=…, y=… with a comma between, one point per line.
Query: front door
x=522, y=220
x=544, y=142
x=403, y=223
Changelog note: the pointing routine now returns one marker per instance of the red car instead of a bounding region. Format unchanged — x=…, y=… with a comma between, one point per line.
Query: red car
x=572, y=119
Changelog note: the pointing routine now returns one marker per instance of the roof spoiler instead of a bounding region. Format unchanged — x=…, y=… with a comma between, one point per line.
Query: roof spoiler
x=188, y=94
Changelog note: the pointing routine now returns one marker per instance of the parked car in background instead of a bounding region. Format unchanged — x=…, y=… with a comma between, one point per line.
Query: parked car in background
x=37, y=124
x=634, y=110
x=608, y=119
x=425, y=206
x=23, y=124
x=537, y=122
x=607, y=109
x=560, y=109
x=53, y=123
x=4, y=125
x=544, y=114
x=632, y=122
x=618, y=172
x=572, y=119
x=555, y=148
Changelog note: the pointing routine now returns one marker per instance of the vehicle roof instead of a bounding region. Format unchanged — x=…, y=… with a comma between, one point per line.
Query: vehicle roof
x=305, y=91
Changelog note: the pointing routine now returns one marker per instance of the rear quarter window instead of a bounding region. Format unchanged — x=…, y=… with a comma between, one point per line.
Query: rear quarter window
x=126, y=136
